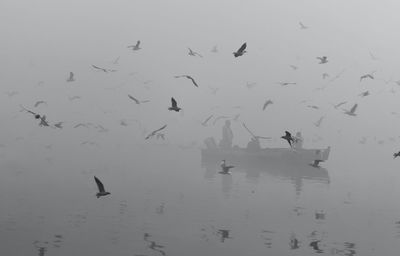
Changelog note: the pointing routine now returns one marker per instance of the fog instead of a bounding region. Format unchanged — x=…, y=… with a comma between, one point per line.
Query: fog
x=168, y=196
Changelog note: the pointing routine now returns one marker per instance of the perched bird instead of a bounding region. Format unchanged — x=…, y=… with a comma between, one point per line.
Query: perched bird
x=59, y=125
x=363, y=94
x=214, y=49
x=268, y=102
x=193, y=53
x=39, y=102
x=204, y=123
x=155, y=132
x=240, y=51
x=174, y=105
x=188, y=77
x=71, y=77
x=288, y=137
x=135, y=47
x=100, y=186
x=352, y=111
x=302, y=26
x=322, y=60
x=396, y=154
x=225, y=168
x=371, y=76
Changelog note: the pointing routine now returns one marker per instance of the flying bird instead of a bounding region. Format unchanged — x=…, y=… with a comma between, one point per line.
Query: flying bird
x=193, y=53
x=174, y=105
x=59, y=125
x=188, y=77
x=302, y=26
x=74, y=98
x=371, y=76
x=396, y=154
x=352, y=111
x=155, y=132
x=71, y=77
x=339, y=104
x=268, y=102
x=225, y=168
x=241, y=51
x=313, y=106
x=100, y=186
x=285, y=83
x=135, y=47
x=322, y=60
x=293, y=67
x=136, y=100
x=288, y=137
x=204, y=123
x=319, y=121
x=363, y=94
x=39, y=102
x=103, y=69
x=36, y=115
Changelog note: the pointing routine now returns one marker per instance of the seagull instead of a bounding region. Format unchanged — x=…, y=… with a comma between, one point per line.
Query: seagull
x=285, y=83
x=103, y=69
x=174, y=105
x=193, y=53
x=396, y=154
x=366, y=93
x=59, y=125
x=71, y=77
x=371, y=76
x=339, y=104
x=43, y=121
x=100, y=186
x=39, y=102
x=268, y=102
x=352, y=111
x=188, y=77
x=225, y=168
x=214, y=49
x=135, y=47
x=136, y=100
x=204, y=123
x=313, y=106
x=302, y=26
x=241, y=51
x=288, y=137
x=293, y=67
x=323, y=59
x=155, y=132
x=319, y=121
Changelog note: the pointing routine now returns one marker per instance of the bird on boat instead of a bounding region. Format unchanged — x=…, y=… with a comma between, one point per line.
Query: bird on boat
x=100, y=186
x=193, y=53
x=352, y=111
x=225, y=168
x=174, y=105
x=288, y=137
x=302, y=26
x=135, y=47
x=396, y=154
x=155, y=132
x=322, y=60
x=71, y=77
x=188, y=77
x=268, y=102
x=240, y=51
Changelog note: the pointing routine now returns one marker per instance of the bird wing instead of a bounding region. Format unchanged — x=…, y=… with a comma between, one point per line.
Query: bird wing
x=194, y=82
x=173, y=102
x=154, y=132
x=138, y=43
x=99, y=68
x=38, y=103
x=243, y=47
x=207, y=119
x=134, y=99
x=353, y=109
x=100, y=185
x=288, y=134
x=265, y=105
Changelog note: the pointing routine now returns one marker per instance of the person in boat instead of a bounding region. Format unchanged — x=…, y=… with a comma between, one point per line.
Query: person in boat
x=253, y=145
x=298, y=141
x=227, y=136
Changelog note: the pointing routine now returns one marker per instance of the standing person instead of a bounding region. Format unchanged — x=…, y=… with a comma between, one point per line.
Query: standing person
x=227, y=136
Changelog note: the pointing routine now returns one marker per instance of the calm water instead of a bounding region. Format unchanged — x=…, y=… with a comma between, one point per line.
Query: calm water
x=165, y=200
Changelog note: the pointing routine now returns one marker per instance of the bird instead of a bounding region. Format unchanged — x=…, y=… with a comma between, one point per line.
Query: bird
x=322, y=59
x=204, y=123
x=174, y=105
x=36, y=115
x=285, y=83
x=100, y=186
x=193, y=53
x=240, y=51
x=363, y=94
x=155, y=132
x=59, y=125
x=313, y=106
x=214, y=49
x=396, y=154
x=71, y=77
x=339, y=104
x=293, y=67
x=136, y=100
x=188, y=77
x=319, y=121
x=225, y=168
x=135, y=47
x=103, y=69
x=371, y=76
x=268, y=102
x=288, y=137
x=39, y=102
x=74, y=98
x=302, y=26
x=43, y=121
x=352, y=111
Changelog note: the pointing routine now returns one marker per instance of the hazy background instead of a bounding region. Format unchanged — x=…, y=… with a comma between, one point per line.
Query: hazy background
x=46, y=179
